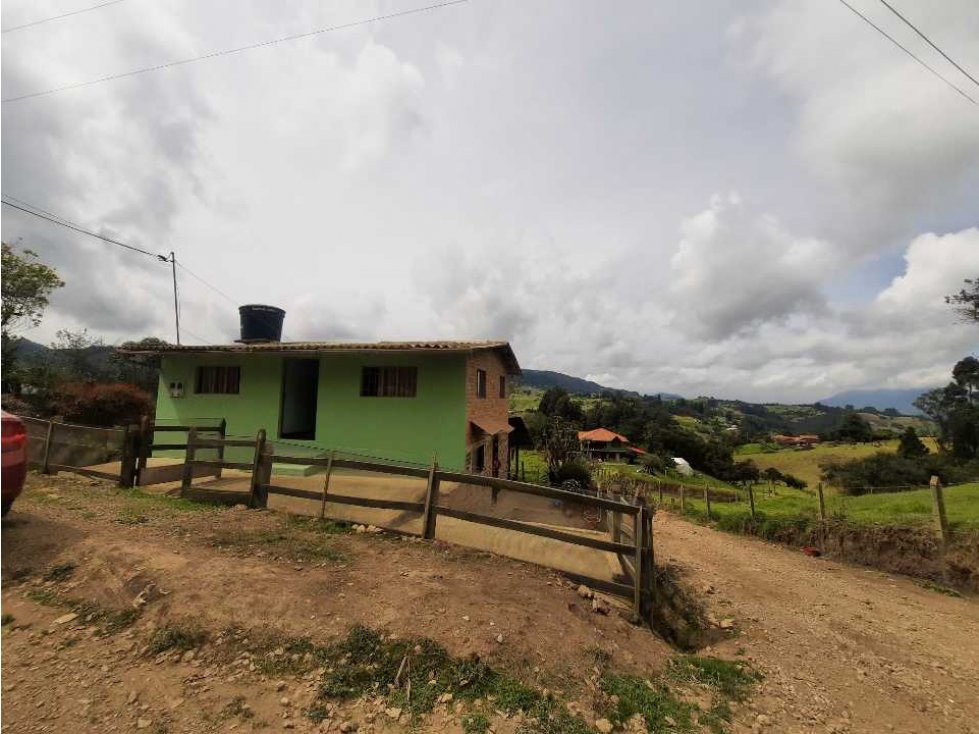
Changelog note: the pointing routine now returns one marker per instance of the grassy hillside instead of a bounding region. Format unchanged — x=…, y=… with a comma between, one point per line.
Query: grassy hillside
x=804, y=463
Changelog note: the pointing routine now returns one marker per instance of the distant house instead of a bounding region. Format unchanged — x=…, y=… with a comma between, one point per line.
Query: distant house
x=804, y=441
x=409, y=401
x=601, y=444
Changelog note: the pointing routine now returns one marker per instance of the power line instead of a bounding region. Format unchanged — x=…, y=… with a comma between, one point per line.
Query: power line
x=59, y=17
x=214, y=288
x=890, y=38
x=928, y=41
x=61, y=221
x=239, y=49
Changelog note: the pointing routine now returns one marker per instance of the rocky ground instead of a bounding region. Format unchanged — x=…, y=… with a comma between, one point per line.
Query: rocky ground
x=127, y=612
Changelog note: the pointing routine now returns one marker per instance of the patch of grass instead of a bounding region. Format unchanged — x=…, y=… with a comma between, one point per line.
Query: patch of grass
x=110, y=621
x=658, y=702
x=6, y=619
x=733, y=679
x=132, y=516
x=932, y=586
x=60, y=572
x=176, y=636
x=476, y=723
x=653, y=700
x=238, y=707
x=281, y=542
x=314, y=524
x=45, y=597
x=139, y=498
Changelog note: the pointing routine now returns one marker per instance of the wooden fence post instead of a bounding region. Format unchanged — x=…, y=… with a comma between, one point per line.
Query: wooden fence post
x=145, y=447
x=822, y=502
x=751, y=499
x=638, y=531
x=258, y=498
x=683, y=499
x=188, y=476
x=707, y=499
x=649, y=573
x=46, y=460
x=130, y=456
x=431, y=503
x=326, y=482
x=222, y=434
x=938, y=506
x=659, y=486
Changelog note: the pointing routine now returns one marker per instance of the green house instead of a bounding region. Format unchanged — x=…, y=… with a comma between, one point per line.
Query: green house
x=404, y=401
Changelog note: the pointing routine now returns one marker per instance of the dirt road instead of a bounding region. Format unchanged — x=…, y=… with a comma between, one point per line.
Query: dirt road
x=843, y=648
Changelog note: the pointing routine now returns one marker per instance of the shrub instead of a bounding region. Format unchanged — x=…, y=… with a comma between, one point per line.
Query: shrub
x=105, y=404
x=573, y=471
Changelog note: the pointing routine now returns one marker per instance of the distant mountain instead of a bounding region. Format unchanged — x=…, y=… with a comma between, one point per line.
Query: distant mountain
x=901, y=400
x=544, y=379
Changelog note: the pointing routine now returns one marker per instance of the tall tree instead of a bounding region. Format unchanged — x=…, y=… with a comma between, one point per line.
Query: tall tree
x=27, y=284
x=910, y=446
x=966, y=301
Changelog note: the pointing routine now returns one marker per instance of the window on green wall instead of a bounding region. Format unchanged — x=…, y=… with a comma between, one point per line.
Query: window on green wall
x=218, y=379
x=389, y=382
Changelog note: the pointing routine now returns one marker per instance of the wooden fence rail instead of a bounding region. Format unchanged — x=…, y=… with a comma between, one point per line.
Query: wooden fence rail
x=629, y=541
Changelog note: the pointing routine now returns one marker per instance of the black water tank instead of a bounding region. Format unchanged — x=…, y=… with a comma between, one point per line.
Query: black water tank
x=260, y=323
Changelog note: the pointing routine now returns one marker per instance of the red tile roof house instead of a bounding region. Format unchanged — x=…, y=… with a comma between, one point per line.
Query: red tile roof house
x=601, y=444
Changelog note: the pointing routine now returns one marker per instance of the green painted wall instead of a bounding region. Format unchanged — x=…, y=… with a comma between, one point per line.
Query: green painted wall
x=409, y=429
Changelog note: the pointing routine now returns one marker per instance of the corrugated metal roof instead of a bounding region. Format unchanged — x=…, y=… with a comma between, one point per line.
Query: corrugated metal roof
x=509, y=358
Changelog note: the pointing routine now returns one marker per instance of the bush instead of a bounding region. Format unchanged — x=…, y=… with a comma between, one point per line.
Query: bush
x=573, y=471
x=107, y=404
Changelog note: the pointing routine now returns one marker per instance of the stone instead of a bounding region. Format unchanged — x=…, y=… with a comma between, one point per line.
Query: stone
x=284, y=701
x=604, y=726
x=584, y=592
x=187, y=656
x=348, y=726
x=762, y=720
x=66, y=618
x=599, y=605
x=143, y=723
x=394, y=712
x=499, y=638
x=132, y=698
x=726, y=624
x=239, y=508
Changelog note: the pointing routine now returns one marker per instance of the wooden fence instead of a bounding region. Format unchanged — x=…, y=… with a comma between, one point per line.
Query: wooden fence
x=54, y=446
x=628, y=523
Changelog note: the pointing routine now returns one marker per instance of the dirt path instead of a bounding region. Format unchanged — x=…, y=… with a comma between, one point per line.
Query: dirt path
x=844, y=648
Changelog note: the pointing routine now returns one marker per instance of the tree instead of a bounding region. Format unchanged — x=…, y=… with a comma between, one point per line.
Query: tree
x=910, y=446
x=854, y=429
x=557, y=402
x=557, y=440
x=27, y=284
x=966, y=301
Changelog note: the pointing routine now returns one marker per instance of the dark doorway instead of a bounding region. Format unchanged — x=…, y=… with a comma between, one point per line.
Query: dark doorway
x=300, y=387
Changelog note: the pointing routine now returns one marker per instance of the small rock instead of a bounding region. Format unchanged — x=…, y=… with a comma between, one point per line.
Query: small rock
x=284, y=701
x=584, y=592
x=239, y=508
x=604, y=726
x=465, y=617
x=143, y=723
x=726, y=624
x=394, y=712
x=288, y=724
x=132, y=698
x=347, y=726
x=599, y=605
x=65, y=618
x=187, y=656
x=499, y=638
x=762, y=720
x=445, y=698
x=280, y=685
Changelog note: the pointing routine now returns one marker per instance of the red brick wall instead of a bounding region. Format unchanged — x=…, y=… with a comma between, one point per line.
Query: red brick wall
x=492, y=408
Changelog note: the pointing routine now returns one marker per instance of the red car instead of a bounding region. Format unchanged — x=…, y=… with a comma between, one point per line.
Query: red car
x=14, y=443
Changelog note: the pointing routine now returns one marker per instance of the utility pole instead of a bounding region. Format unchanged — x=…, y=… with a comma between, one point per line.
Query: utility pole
x=176, y=305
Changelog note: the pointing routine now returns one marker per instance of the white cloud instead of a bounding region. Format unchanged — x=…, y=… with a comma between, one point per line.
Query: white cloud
x=735, y=269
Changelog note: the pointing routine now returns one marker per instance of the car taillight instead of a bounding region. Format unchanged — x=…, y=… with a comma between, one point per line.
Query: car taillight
x=14, y=436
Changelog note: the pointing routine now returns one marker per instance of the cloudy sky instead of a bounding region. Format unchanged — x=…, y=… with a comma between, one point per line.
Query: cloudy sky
x=761, y=199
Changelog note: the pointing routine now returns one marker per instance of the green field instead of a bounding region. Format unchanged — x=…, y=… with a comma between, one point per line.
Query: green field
x=892, y=508
x=804, y=463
